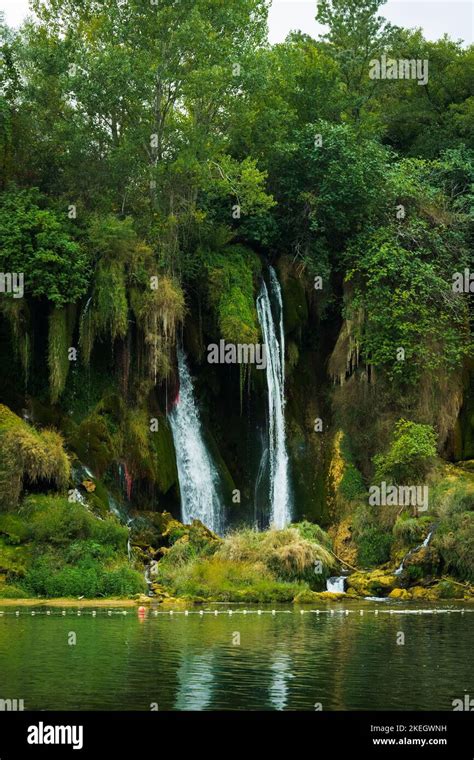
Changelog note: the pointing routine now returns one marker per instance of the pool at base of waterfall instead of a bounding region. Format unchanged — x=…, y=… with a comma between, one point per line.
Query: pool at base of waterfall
x=349, y=656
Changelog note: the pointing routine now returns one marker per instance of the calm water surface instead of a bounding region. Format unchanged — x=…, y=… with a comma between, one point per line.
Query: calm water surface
x=285, y=661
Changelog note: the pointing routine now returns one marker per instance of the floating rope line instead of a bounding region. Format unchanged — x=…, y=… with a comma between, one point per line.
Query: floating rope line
x=201, y=613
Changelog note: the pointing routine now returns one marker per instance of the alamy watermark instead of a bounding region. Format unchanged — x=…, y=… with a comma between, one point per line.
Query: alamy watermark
x=463, y=282
x=467, y=704
x=384, y=495
x=46, y=734
x=237, y=353
x=13, y=283
x=12, y=705
x=403, y=68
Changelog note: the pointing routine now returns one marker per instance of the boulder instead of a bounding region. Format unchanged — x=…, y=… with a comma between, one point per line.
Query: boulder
x=400, y=593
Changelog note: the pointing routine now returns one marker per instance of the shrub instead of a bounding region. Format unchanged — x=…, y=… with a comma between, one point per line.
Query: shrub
x=410, y=454
x=14, y=528
x=231, y=581
x=373, y=546
x=87, y=578
x=10, y=591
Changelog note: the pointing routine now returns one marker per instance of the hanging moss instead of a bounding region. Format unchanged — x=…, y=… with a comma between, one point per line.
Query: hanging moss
x=158, y=312
x=28, y=453
x=150, y=454
x=137, y=448
x=17, y=314
x=295, y=307
x=107, y=316
x=61, y=327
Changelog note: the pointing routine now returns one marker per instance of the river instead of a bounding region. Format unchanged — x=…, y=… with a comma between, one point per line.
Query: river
x=334, y=659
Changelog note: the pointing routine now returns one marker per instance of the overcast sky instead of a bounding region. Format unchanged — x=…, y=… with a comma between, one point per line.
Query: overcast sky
x=435, y=17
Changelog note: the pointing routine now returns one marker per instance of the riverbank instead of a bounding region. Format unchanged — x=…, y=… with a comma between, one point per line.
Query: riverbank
x=66, y=602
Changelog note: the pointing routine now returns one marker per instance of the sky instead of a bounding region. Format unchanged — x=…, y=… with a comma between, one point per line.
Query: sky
x=435, y=17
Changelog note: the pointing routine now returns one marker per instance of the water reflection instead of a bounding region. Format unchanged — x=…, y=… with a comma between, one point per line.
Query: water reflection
x=195, y=681
x=281, y=674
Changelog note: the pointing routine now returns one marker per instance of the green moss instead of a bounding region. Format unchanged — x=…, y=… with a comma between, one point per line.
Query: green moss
x=295, y=307
x=94, y=444
x=451, y=489
x=454, y=539
x=352, y=483
x=313, y=532
x=448, y=590
x=17, y=314
x=163, y=449
x=158, y=312
x=373, y=540
x=410, y=531
x=230, y=275
x=464, y=442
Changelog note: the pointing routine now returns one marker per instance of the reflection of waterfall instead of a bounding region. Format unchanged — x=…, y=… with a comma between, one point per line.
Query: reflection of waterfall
x=197, y=474
x=399, y=570
x=196, y=680
x=336, y=584
x=275, y=356
x=281, y=674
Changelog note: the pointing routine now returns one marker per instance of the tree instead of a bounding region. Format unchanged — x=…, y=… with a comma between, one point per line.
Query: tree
x=356, y=36
x=35, y=240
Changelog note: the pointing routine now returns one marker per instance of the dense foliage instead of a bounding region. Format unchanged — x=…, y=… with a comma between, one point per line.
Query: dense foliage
x=154, y=158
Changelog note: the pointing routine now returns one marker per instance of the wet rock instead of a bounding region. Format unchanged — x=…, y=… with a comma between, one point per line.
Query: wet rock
x=375, y=583
x=400, y=593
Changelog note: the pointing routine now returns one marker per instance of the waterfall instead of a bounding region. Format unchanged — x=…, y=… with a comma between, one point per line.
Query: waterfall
x=423, y=544
x=197, y=474
x=336, y=584
x=279, y=488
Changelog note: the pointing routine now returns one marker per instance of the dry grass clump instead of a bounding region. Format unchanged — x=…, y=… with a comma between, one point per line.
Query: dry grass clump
x=286, y=553
x=28, y=453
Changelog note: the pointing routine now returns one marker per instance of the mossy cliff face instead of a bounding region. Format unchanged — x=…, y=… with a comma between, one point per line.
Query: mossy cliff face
x=109, y=413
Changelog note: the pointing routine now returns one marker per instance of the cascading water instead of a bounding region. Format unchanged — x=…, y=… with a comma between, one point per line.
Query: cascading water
x=423, y=544
x=280, y=502
x=336, y=584
x=197, y=474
